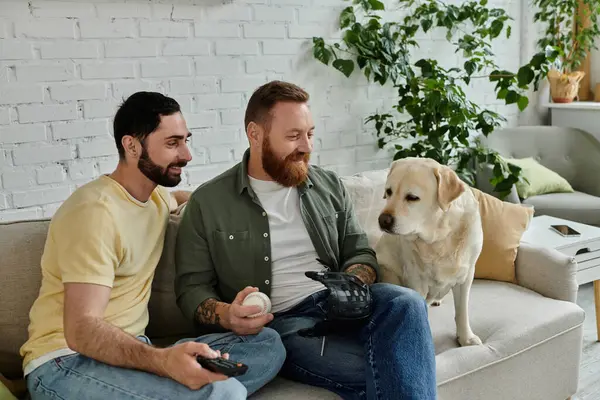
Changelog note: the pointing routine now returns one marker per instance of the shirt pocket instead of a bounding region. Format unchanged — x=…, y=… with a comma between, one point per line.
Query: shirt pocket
x=233, y=256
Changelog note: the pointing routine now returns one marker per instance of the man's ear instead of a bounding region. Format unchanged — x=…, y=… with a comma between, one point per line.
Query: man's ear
x=132, y=146
x=253, y=131
x=449, y=186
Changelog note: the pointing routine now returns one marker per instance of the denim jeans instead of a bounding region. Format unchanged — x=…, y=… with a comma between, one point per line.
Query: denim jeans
x=390, y=357
x=79, y=377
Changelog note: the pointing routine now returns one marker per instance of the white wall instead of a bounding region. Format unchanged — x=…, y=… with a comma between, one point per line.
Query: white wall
x=64, y=67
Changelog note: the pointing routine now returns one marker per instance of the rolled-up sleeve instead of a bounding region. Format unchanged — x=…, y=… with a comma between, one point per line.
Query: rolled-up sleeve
x=195, y=278
x=355, y=247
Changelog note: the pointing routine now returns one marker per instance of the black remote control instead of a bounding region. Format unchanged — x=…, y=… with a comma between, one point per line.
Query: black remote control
x=223, y=366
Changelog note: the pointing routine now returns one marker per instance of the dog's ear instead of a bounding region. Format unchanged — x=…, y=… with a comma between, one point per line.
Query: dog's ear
x=392, y=166
x=449, y=186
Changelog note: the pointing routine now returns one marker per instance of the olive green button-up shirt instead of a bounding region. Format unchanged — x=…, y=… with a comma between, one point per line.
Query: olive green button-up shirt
x=224, y=243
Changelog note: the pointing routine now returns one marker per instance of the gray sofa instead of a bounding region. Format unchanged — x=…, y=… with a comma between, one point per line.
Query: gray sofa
x=532, y=331
x=572, y=153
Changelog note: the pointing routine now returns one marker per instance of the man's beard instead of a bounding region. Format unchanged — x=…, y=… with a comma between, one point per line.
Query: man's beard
x=288, y=172
x=158, y=174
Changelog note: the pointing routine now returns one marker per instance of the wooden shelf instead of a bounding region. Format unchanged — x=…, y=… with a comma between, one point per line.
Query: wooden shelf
x=576, y=105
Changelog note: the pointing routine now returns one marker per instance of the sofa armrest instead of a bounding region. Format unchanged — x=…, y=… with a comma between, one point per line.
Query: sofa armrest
x=484, y=174
x=547, y=271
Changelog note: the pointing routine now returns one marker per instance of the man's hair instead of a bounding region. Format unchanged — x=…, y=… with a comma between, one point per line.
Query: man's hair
x=266, y=96
x=139, y=116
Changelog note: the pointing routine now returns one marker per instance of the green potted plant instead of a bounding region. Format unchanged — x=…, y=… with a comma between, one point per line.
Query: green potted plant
x=441, y=119
x=570, y=29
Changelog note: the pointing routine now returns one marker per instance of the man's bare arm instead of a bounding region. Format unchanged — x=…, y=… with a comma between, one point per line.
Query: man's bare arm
x=88, y=333
x=363, y=272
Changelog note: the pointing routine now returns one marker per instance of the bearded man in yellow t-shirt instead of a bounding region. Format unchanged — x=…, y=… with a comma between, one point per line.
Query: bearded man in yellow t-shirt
x=86, y=332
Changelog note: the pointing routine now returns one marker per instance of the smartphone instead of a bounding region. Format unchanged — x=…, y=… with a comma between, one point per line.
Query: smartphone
x=565, y=230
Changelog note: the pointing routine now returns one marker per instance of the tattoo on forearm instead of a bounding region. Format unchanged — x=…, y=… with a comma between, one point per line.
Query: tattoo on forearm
x=364, y=272
x=207, y=312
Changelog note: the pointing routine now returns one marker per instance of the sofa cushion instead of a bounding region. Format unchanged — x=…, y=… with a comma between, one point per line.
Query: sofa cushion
x=539, y=179
x=21, y=246
x=508, y=318
x=503, y=226
x=577, y=206
x=281, y=388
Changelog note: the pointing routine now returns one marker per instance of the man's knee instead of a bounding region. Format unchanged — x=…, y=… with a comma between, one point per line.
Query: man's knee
x=398, y=298
x=228, y=389
x=272, y=350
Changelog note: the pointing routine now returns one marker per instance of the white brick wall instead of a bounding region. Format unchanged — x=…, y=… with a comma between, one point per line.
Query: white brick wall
x=66, y=65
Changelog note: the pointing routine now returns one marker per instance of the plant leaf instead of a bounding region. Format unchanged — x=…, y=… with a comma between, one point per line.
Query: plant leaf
x=322, y=53
x=512, y=97
x=376, y=5
x=496, y=28
x=470, y=66
x=426, y=24
x=347, y=17
x=523, y=102
x=525, y=75
x=346, y=67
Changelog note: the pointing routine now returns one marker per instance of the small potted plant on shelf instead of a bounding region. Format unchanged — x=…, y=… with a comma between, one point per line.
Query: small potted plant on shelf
x=571, y=29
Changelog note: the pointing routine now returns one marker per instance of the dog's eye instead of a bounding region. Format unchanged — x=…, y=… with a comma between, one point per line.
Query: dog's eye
x=388, y=192
x=411, y=197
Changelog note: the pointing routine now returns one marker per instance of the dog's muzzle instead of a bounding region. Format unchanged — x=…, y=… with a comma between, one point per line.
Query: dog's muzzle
x=386, y=222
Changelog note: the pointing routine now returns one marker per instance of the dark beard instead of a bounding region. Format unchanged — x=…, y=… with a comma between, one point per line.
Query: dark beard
x=156, y=173
x=287, y=172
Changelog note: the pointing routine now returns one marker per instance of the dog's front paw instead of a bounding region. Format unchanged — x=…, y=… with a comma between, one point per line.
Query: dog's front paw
x=436, y=303
x=469, y=340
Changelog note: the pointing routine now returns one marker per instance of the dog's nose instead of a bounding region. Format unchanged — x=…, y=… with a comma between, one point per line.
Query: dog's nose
x=386, y=221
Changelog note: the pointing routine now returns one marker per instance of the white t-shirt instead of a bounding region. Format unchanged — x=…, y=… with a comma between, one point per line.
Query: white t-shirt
x=292, y=251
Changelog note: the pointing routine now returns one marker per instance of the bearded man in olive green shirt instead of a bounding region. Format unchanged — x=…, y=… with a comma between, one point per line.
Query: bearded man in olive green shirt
x=264, y=223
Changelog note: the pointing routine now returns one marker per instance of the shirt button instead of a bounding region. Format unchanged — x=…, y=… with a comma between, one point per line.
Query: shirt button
x=230, y=237
x=267, y=258
x=265, y=234
x=267, y=282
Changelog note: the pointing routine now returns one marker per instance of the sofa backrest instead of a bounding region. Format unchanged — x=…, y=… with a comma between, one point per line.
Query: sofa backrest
x=22, y=244
x=557, y=148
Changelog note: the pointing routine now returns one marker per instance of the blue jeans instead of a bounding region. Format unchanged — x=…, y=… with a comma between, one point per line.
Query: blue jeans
x=391, y=357
x=79, y=377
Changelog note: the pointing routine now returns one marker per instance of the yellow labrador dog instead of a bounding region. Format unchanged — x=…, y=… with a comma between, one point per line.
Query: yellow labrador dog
x=432, y=235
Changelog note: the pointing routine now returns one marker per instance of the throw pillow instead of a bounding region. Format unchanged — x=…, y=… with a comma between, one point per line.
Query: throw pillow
x=542, y=180
x=503, y=226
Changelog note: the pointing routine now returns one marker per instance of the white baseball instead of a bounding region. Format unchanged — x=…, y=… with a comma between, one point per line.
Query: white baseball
x=258, y=299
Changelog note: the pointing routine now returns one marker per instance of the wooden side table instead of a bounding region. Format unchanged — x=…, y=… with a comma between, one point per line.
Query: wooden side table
x=585, y=249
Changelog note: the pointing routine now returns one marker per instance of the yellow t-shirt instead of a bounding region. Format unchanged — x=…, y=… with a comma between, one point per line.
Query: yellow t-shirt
x=101, y=235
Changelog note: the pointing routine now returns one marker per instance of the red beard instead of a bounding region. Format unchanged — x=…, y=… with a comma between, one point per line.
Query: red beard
x=289, y=172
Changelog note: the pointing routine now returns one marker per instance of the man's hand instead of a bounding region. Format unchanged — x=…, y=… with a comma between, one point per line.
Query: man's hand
x=235, y=317
x=363, y=272
x=181, y=365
